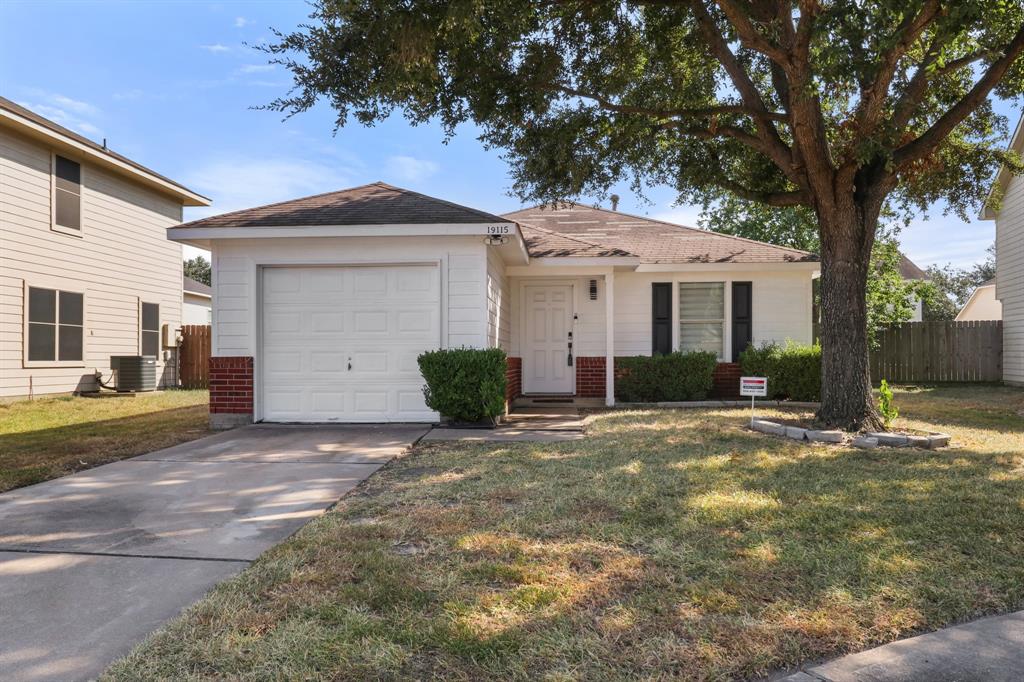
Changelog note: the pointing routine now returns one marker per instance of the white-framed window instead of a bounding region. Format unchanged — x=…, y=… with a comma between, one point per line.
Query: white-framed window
x=66, y=210
x=54, y=327
x=149, y=329
x=702, y=317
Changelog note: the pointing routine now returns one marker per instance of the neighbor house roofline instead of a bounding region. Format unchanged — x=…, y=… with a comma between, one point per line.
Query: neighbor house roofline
x=29, y=123
x=1002, y=180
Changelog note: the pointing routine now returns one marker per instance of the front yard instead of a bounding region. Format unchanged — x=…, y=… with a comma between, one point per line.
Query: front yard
x=50, y=437
x=668, y=544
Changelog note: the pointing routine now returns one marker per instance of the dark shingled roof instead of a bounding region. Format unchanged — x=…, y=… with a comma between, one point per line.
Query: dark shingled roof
x=16, y=108
x=585, y=231
x=193, y=287
x=909, y=270
x=375, y=204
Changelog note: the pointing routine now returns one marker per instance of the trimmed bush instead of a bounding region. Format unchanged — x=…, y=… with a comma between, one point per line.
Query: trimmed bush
x=793, y=370
x=664, y=378
x=464, y=384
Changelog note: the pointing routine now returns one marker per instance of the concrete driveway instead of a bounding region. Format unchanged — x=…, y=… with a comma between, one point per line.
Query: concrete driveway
x=92, y=563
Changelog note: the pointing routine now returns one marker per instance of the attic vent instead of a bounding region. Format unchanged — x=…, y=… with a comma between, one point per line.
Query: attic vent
x=593, y=290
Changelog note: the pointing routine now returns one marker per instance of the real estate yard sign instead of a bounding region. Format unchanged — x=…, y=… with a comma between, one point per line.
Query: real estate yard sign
x=754, y=387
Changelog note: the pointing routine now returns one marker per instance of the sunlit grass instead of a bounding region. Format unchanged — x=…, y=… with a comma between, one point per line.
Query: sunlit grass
x=50, y=437
x=667, y=544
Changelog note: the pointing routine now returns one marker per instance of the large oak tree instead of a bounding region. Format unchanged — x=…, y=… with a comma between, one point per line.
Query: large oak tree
x=842, y=106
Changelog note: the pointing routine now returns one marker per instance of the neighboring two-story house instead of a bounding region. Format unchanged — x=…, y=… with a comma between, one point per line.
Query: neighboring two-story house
x=86, y=269
x=1009, y=284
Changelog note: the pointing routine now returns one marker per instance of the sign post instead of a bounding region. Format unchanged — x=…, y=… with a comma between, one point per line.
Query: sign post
x=753, y=386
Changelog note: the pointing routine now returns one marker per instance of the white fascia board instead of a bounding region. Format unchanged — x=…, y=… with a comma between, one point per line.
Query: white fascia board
x=187, y=197
x=185, y=234
x=809, y=266
x=196, y=293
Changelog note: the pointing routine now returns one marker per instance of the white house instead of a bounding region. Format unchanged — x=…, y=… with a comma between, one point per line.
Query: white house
x=196, y=302
x=911, y=272
x=322, y=304
x=1009, y=288
x=86, y=270
x=982, y=305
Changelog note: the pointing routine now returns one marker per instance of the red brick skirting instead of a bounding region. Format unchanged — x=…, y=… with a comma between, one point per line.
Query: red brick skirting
x=513, y=378
x=231, y=385
x=590, y=377
x=726, y=381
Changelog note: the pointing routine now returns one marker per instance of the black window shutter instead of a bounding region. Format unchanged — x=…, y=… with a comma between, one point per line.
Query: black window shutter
x=661, y=318
x=742, y=317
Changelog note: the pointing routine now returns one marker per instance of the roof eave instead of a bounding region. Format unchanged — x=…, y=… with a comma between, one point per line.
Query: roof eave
x=52, y=137
x=1003, y=177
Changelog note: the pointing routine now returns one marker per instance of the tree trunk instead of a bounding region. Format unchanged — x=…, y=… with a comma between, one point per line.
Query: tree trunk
x=847, y=237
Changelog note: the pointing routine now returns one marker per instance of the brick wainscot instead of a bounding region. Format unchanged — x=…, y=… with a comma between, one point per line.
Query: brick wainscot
x=231, y=389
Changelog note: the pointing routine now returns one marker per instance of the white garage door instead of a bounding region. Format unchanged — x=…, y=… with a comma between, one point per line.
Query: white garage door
x=339, y=344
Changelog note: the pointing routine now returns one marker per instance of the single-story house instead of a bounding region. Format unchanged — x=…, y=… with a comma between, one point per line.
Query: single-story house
x=322, y=304
x=909, y=271
x=196, y=302
x=982, y=305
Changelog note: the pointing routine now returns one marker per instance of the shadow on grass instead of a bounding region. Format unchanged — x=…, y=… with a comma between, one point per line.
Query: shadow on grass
x=667, y=544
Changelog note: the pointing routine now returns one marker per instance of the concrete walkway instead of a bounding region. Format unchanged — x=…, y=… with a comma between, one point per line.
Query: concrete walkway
x=537, y=424
x=986, y=650
x=92, y=563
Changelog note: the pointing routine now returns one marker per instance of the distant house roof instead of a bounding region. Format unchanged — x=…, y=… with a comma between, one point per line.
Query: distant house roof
x=909, y=270
x=575, y=230
x=14, y=114
x=375, y=204
x=190, y=286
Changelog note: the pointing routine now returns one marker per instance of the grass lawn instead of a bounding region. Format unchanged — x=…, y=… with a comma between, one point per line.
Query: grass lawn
x=50, y=437
x=667, y=544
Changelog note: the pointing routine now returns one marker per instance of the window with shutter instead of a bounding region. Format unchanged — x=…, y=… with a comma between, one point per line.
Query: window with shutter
x=702, y=317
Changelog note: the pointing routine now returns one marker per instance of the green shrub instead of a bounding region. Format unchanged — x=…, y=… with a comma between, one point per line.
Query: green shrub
x=793, y=370
x=886, y=405
x=464, y=384
x=660, y=378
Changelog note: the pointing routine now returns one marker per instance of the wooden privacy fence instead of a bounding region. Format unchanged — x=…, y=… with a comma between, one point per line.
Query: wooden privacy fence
x=939, y=351
x=195, y=356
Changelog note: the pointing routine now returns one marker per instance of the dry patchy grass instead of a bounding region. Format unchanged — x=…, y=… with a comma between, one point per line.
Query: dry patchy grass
x=669, y=544
x=50, y=437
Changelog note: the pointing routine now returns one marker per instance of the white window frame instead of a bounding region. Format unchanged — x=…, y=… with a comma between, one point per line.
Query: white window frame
x=726, y=315
x=157, y=330
x=25, y=362
x=53, y=196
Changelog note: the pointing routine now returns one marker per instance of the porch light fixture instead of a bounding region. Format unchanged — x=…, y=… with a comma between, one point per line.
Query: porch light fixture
x=593, y=290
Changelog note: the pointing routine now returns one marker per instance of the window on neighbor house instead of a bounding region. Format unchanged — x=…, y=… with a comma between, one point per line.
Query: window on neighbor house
x=55, y=325
x=149, y=329
x=67, y=194
x=702, y=317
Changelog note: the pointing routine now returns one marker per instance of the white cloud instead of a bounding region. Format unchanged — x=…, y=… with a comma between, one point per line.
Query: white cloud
x=241, y=22
x=68, y=112
x=215, y=48
x=680, y=215
x=257, y=68
x=237, y=182
x=410, y=169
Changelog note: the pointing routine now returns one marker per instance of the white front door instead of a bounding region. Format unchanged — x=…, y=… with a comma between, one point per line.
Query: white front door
x=546, y=367
x=339, y=344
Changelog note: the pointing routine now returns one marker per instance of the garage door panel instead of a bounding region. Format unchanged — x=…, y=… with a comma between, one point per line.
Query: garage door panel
x=341, y=343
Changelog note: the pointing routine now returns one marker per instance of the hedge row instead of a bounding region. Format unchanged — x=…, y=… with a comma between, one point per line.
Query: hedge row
x=793, y=370
x=663, y=378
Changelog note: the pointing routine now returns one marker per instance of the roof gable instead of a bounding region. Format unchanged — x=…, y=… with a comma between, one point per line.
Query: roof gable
x=377, y=203
x=575, y=230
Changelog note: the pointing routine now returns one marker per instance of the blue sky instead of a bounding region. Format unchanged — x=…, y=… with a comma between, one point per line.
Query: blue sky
x=171, y=85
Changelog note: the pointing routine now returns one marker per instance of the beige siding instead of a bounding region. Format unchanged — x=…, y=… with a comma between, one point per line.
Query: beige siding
x=1010, y=279
x=499, y=303
x=122, y=256
x=463, y=273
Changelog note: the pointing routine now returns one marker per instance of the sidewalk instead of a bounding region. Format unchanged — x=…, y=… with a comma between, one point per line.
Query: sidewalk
x=990, y=649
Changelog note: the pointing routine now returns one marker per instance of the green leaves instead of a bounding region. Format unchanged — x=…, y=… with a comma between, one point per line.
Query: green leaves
x=465, y=384
x=672, y=377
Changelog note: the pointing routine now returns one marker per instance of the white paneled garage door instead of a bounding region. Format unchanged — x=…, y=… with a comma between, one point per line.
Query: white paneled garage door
x=339, y=344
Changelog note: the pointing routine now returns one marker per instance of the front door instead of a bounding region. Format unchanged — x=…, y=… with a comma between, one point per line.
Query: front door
x=547, y=362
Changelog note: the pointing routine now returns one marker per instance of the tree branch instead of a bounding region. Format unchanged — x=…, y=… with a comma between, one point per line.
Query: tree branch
x=775, y=149
x=780, y=199
x=700, y=112
x=749, y=35
x=931, y=138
